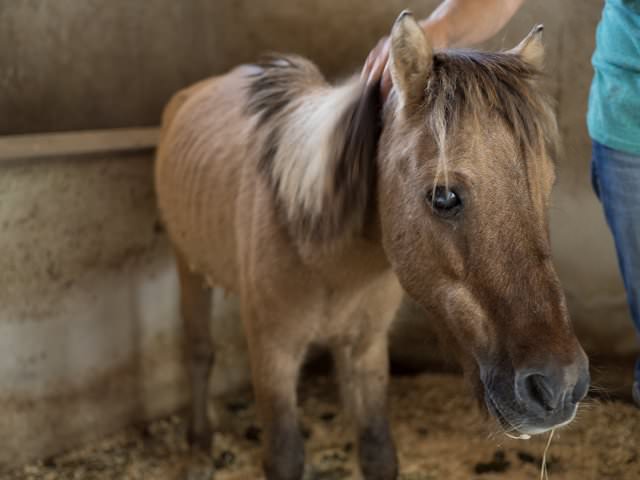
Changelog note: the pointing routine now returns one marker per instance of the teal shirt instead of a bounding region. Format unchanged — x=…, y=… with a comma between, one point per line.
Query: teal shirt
x=614, y=100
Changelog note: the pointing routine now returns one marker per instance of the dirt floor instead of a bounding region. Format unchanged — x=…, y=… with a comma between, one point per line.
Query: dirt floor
x=439, y=434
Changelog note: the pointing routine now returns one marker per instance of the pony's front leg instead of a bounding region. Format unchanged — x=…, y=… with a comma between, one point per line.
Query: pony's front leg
x=275, y=363
x=363, y=372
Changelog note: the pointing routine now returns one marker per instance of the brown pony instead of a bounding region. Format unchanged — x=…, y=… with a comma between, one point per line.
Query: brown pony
x=319, y=205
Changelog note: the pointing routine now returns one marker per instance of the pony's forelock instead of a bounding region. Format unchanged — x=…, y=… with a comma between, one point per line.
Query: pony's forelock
x=471, y=85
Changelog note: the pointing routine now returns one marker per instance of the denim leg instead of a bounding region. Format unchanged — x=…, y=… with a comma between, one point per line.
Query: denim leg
x=616, y=181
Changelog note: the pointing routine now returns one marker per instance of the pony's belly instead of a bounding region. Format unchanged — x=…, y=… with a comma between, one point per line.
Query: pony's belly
x=198, y=212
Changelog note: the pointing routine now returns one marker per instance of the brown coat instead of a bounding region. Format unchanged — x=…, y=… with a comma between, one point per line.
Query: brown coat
x=316, y=203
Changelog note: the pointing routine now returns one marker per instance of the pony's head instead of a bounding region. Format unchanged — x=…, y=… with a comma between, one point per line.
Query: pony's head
x=463, y=186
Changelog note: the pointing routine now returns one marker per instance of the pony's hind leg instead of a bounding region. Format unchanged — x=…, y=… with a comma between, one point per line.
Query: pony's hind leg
x=195, y=300
x=363, y=374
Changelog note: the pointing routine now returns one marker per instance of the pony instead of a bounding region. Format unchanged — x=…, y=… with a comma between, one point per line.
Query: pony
x=321, y=205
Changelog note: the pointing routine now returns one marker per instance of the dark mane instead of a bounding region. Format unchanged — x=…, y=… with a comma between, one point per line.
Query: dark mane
x=471, y=82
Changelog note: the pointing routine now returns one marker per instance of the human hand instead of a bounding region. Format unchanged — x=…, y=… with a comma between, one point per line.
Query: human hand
x=376, y=67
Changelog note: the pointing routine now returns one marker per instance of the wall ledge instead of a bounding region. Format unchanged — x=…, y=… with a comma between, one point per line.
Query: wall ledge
x=38, y=146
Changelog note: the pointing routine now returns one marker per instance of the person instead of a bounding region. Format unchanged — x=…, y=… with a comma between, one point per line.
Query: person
x=613, y=117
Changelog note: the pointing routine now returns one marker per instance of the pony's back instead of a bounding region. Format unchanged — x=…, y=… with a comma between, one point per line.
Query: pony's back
x=198, y=168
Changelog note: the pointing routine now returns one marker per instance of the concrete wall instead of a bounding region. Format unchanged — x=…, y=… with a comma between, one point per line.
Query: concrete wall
x=87, y=325
x=90, y=337
x=89, y=331
x=97, y=64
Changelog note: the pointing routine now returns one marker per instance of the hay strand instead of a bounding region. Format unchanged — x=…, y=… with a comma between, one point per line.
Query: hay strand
x=544, y=473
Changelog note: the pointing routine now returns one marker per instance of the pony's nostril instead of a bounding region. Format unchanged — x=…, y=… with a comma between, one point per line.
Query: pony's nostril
x=539, y=391
x=551, y=391
x=581, y=388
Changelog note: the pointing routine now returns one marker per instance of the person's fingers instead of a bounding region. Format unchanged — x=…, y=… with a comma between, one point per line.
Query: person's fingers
x=376, y=67
x=384, y=51
x=381, y=63
x=385, y=82
x=373, y=71
x=371, y=63
x=376, y=70
x=366, y=69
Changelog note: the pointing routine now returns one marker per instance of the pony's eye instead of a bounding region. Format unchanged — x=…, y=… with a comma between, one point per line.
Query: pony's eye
x=444, y=202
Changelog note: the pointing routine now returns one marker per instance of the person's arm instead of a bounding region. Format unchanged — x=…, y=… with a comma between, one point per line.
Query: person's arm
x=458, y=23
x=453, y=23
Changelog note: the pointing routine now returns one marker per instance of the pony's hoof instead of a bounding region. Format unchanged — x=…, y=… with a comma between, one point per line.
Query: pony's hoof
x=201, y=440
x=200, y=465
x=199, y=469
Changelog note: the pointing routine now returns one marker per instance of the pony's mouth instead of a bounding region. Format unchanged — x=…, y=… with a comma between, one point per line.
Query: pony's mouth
x=508, y=429
x=522, y=431
x=495, y=411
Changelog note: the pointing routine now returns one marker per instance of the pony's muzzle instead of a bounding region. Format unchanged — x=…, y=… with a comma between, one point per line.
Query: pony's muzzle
x=548, y=390
x=550, y=394
x=536, y=397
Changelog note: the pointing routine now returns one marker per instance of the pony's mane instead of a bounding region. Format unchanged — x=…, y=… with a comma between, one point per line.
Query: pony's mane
x=467, y=83
x=318, y=147
x=318, y=143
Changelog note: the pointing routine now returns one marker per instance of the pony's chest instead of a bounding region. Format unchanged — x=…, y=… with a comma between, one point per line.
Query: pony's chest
x=350, y=315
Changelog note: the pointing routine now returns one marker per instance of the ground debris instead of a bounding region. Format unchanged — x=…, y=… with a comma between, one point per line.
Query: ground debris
x=438, y=432
x=498, y=464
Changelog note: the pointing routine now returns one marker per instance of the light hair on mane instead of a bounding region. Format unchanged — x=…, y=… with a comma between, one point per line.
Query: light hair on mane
x=319, y=146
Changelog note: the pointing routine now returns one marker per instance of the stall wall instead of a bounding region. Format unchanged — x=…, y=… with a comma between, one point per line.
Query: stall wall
x=89, y=330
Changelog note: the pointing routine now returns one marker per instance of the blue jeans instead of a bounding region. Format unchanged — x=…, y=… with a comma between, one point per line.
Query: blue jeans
x=616, y=180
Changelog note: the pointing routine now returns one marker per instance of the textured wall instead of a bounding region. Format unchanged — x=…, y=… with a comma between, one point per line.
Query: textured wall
x=96, y=64
x=89, y=336
x=89, y=331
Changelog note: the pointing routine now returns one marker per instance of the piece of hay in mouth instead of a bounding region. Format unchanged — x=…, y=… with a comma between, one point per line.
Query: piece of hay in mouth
x=544, y=473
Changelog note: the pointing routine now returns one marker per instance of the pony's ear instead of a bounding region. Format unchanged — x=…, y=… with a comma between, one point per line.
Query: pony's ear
x=411, y=59
x=531, y=49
